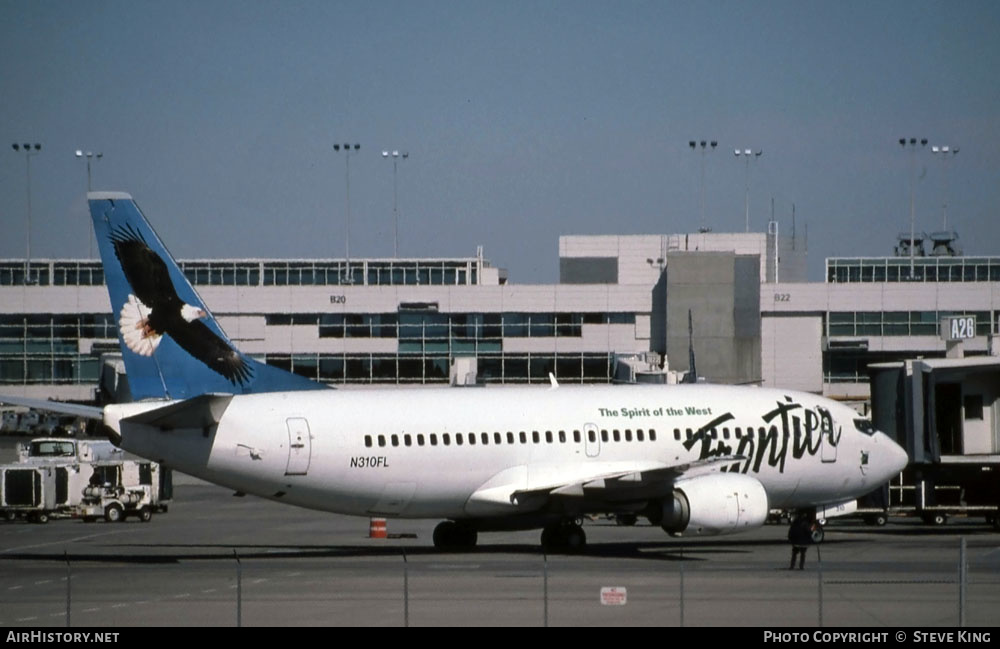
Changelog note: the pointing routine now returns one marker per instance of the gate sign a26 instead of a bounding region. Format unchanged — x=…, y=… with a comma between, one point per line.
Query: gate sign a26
x=959, y=327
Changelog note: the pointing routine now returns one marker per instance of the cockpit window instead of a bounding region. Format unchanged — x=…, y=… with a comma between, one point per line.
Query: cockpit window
x=865, y=426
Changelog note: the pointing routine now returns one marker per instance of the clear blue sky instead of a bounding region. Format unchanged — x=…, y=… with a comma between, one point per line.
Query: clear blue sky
x=523, y=121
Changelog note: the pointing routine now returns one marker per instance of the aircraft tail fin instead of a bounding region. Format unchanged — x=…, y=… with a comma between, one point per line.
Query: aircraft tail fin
x=171, y=344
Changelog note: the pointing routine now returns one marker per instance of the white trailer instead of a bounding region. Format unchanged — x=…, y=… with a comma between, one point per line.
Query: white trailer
x=39, y=493
x=61, y=478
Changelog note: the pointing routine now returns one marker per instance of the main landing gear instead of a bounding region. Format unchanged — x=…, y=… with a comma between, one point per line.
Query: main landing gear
x=564, y=536
x=455, y=536
x=460, y=536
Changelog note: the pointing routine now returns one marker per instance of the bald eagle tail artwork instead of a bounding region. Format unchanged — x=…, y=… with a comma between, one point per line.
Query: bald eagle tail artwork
x=133, y=325
x=172, y=346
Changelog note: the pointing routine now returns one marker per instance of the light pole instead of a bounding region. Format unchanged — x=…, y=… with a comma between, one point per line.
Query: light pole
x=912, y=143
x=89, y=155
x=347, y=155
x=29, y=150
x=395, y=155
x=946, y=153
x=747, y=155
x=701, y=192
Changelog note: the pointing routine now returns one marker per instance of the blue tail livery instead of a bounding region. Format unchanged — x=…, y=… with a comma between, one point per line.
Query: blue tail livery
x=171, y=344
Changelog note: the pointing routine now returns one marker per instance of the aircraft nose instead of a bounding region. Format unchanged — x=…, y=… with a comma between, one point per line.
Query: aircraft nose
x=893, y=456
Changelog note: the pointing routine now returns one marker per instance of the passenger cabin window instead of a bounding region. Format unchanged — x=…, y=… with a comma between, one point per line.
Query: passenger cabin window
x=510, y=438
x=604, y=435
x=548, y=437
x=562, y=437
x=446, y=439
x=407, y=440
x=639, y=436
x=534, y=436
x=521, y=436
x=420, y=439
x=458, y=439
x=617, y=435
x=576, y=436
x=381, y=440
x=591, y=436
x=434, y=439
x=395, y=440
x=368, y=441
x=497, y=438
x=652, y=435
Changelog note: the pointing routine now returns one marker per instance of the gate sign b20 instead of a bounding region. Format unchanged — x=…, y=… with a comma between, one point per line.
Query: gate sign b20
x=960, y=327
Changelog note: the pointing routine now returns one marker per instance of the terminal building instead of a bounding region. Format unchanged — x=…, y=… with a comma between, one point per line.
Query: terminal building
x=620, y=311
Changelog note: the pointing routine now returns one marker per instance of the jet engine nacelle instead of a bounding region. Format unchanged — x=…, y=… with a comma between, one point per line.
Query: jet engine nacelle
x=720, y=503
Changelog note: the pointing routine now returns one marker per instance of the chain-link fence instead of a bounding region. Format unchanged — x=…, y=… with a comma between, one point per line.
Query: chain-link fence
x=929, y=585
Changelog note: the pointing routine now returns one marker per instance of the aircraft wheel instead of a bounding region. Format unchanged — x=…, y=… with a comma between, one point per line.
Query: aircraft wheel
x=576, y=538
x=818, y=534
x=466, y=536
x=550, y=538
x=452, y=536
x=443, y=534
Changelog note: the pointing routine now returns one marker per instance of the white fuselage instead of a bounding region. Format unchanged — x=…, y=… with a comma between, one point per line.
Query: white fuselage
x=468, y=453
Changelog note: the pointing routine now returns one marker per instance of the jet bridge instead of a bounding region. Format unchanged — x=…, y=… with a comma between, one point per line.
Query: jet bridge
x=946, y=413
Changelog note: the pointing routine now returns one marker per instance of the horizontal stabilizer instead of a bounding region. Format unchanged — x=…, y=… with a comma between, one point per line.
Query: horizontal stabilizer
x=199, y=412
x=88, y=412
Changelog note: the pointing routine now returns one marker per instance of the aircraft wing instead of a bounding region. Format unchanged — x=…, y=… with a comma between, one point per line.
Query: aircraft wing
x=532, y=488
x=88, y=412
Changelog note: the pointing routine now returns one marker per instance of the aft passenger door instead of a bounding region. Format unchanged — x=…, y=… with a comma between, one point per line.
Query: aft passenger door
x=299, y=446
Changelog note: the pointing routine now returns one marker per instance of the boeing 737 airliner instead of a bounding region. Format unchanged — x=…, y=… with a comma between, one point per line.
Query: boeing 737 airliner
x=694, y=459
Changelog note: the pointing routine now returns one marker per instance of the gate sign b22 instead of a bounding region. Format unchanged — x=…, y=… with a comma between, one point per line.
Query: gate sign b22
x=959, y=327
